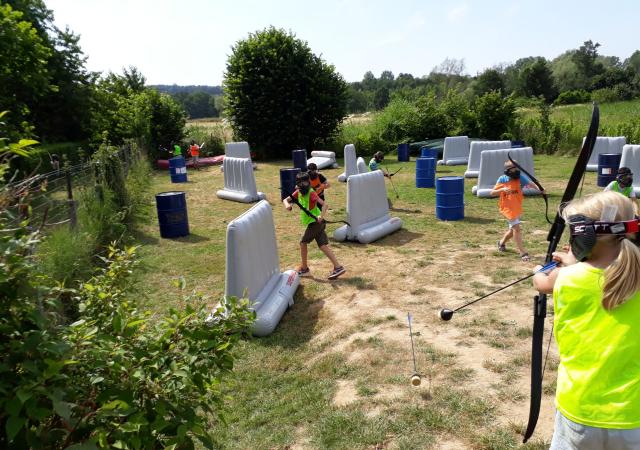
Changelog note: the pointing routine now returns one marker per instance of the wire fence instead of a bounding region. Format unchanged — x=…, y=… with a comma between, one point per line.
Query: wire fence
x=51, y=199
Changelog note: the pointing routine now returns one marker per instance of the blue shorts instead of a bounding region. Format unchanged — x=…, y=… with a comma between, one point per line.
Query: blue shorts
x=569, y=435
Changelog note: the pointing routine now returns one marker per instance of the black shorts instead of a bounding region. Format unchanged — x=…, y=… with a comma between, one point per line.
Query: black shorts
x=315, y=231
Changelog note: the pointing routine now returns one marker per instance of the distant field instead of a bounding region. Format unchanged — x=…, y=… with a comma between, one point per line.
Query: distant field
x=611, y=114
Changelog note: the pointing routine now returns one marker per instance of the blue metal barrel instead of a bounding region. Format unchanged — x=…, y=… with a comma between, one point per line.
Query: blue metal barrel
x=425, y=172
x=288, y=181
x=428, y=152
x=608, y=165
x=300, y=159
x=450, y=198
x=403, y=152
x=517, y=144
x=172, y=214
x=178, y=169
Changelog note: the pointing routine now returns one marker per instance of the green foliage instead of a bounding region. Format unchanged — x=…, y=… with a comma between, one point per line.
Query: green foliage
x=572, y=97
x=212, y=137
x=536, y=79
x=495, y=115
x=115, y=377
x=487, y=81
x=279, y=95
x=24, y=79
x=541, y=133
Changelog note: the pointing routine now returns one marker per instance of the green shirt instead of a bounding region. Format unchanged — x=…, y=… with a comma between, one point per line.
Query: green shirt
x=305, y=200
x=599, y=371
x=177, y=151
x=373, y=164
x=615, y=187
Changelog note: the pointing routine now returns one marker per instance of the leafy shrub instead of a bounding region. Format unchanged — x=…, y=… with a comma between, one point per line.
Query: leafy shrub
x=495, y=115
x=573, y=97
x=279, y=95
x=605, y=95
x=115, y=377
x=212, y=137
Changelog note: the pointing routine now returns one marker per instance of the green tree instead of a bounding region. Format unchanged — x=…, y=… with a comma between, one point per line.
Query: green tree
x=381, y=97
x=633, y=61
x=279, y=95
x=536, y=79
x=24, y=77
x=489, y=80
x=586, y=60
x=495, y=115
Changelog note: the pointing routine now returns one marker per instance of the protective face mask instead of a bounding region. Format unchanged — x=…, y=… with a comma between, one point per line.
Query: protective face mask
x=304, y=188
x=514, y=174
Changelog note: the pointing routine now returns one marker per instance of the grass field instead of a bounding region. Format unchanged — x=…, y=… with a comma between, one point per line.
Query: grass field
x=611, y=114
x=335, y=373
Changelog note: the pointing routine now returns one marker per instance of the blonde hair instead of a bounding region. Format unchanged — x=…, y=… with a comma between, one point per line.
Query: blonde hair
x=622, y=276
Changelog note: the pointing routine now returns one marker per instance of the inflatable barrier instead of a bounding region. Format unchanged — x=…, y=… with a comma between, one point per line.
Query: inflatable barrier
x=492, y=166
x=631, y=159
x=207, y=161
x=367, y=209
x=252, y=266
x=604, y=145
x=456, y=151
x=323, y=160
x=239, y=181
x=351, y=164
x=476, y=148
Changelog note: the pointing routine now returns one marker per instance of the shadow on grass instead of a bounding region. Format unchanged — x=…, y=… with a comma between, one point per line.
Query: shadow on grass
x=298, y=323
x=479, y=220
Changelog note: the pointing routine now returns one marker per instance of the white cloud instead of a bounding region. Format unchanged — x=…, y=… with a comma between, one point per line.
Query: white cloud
x=458, y=13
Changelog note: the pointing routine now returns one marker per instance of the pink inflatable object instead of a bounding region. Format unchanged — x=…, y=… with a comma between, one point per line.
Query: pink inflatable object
x=208, y=161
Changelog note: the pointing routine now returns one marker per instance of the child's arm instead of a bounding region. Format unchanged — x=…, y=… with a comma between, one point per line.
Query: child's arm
x=498, y=190
x=286, y=203
x=544, y=282
x=324, y=209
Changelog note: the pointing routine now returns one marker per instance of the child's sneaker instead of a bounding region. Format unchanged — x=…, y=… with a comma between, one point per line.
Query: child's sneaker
x=302, y=272
x=335, y=273
x=502, y=247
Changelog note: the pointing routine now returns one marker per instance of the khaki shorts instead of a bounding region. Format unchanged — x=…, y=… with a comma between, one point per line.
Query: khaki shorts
x=569, y=435
x=315, y=231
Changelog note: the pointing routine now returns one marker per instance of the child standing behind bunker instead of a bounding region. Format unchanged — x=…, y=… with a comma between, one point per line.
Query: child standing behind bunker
x=596, y=295
x=194, y=149
x=623, y=184
x=315, y=226
x=318, y=181
x=509, y=187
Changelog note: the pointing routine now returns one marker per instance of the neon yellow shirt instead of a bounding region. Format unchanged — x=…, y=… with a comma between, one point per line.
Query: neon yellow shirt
x=310, y=202
x=599, y=372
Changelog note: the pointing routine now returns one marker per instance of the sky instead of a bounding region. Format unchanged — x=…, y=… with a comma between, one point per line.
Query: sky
x=187, y=42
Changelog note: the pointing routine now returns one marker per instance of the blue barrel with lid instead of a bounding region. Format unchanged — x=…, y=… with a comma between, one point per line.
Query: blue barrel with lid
x=300, y=159
x=608, y=165
x=178, y=169
x=172, y=214
x=450, y=198
x=425, y=172
x=403, y=152
x=428, y=152
x=288, y=181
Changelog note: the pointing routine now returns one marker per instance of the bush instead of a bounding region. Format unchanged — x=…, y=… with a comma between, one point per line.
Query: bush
x=573, y=97
x=115, y=377
x=280, y=96
x=605, y=95
x=495, y=115
x=212, y=137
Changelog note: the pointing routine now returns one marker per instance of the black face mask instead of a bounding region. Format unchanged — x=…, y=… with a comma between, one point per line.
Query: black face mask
x=313, y=174
x=624, y=180
x=304, y=188
x=512, y=173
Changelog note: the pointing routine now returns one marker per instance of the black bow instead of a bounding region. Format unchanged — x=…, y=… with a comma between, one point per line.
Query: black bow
x=309, y=213
x=538, y=185
x=540, y=301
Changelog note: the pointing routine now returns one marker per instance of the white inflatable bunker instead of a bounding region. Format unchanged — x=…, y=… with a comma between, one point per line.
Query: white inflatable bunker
x=323, y=159
x=631, y=159
x=239, y=181
x=456, y=151
x=492, y=166
x=367, y=209
x=252, y=266
x=604, y=145
x=351, y=164
x=476, y=148
x=237, y=150
x=361, y=165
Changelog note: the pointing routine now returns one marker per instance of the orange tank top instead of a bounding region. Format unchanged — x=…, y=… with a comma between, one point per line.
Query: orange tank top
x=195, y=150
x=511, y=204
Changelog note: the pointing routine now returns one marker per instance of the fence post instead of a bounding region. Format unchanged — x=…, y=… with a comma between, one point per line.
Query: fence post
x=73, y=218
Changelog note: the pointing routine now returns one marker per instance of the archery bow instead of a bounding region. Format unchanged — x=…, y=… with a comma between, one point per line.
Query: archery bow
x=538, y=185
x=309, y=213
x=540, y=301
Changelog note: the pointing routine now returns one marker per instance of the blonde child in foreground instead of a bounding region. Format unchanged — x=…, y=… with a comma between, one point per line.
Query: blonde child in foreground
x=597, y=327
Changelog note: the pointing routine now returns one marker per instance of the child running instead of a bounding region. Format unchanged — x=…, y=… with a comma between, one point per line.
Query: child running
x=315, y=226
x=509, y=187
x=374, y=163
x=623, y=184
x=318, y=181
x=597, y=326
